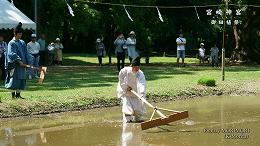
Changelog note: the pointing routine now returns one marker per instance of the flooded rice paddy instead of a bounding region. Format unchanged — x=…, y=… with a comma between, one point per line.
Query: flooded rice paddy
x=213, y=121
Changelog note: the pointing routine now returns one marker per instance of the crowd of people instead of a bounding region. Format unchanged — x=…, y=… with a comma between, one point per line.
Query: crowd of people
x=15, y=55
x=123, y=47
x=127, y=47
x=41, y=54
x=20, y=61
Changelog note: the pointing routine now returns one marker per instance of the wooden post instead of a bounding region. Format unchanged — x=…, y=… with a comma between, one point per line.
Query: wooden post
x=42, y=74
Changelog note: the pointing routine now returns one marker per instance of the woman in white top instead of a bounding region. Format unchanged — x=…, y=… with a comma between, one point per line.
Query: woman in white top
x=58, y=51
x=131, y=46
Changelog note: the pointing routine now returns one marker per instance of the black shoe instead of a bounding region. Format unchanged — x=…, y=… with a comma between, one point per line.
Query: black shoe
x=140, y=121
x=13, y=95
x=18, y=95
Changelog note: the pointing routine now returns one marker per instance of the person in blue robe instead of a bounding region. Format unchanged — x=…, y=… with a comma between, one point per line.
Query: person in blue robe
x=15, y=60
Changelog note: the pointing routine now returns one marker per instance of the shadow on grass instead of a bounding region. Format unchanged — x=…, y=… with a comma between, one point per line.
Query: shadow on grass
x=75, y=62
x=73, y=77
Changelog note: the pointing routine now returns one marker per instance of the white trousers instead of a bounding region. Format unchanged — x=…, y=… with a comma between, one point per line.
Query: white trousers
x=132, y=108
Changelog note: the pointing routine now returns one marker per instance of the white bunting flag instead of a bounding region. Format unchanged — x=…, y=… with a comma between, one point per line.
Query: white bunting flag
x=70, y=9
x=128, y=14
x=160, y=16
x=197, y=13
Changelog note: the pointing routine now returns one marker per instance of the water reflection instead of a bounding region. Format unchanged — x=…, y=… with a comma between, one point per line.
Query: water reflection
x=43, y=137
x=31, y=140
x=206, y=116
x=131, y=135
x=8, y=141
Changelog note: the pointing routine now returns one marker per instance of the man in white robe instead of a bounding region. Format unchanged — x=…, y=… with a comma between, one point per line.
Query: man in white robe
x=132, y=78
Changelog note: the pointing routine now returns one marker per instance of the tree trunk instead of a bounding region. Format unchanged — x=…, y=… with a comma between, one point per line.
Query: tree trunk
x=242, y=38
x=235, y=53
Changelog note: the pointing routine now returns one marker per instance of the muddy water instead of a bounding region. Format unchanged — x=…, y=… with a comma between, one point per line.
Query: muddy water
x=224, y=121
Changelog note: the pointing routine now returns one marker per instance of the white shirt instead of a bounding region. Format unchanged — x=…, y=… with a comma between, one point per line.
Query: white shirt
x=130, y=103
x=202, y=52
x=181, y=40
x=33, y=47
x=136, y=81
x=58, y=46
x=131, y=44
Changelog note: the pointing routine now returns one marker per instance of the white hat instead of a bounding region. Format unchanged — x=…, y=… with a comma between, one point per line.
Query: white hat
x=132, y=32
x=98, y=40
x=57, y=39
x=33, y=35
x=202, y=44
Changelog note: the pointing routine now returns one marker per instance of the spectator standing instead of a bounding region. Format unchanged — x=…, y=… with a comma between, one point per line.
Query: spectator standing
x=131, y=46
x=15, y=60
x=50, y=58
x=101, y=50
x=33, y=48
x=202, y=56
x=43, y=51
x=214, y=55
x=3, y=48
x=120, y=51
x=181, y=42
x=58, y=51
x=132, y=78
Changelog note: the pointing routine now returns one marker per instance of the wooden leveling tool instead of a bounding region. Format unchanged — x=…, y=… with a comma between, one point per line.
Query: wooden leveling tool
x=42, y=70
x=163, y=120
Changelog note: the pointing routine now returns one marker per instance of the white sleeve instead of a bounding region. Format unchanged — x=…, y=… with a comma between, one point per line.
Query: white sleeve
x=122, y=85
x=141, y=87
x=178, y=40
x=130, y=41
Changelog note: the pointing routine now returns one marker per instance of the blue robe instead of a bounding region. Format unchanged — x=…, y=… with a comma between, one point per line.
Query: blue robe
x=16, y=75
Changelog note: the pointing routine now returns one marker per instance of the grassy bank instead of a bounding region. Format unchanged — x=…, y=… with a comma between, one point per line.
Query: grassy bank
x=80, y=84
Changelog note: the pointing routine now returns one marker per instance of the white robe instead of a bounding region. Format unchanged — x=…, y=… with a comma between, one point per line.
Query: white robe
x=131, y=105
x=131, y=50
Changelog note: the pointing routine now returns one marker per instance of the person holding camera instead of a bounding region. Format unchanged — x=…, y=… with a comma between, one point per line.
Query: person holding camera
x=120, y=51
x=101, y=50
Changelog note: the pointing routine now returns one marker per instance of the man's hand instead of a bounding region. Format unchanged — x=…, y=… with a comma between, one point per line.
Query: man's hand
x=128, y=88
x=20, y=63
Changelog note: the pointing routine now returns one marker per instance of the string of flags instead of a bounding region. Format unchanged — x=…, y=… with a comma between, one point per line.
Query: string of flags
x=159, y=14
x=70, y=9
x=128, y=15
x=197, y=13
x=209, y=11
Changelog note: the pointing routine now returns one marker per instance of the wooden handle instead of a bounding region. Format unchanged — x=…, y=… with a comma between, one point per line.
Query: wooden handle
x=144, y=100
x=150, y=105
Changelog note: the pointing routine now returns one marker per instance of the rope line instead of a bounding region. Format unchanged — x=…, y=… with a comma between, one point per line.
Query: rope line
x=165, y=7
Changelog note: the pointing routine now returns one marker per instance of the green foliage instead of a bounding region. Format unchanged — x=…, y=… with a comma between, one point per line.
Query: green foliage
x=206, y=81
x=79, y=33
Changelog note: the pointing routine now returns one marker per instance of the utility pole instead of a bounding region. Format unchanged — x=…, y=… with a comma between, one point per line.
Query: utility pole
x=35, y=15
x=223, y=41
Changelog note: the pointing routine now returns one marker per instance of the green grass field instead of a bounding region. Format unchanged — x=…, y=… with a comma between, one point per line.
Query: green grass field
x=80, y=83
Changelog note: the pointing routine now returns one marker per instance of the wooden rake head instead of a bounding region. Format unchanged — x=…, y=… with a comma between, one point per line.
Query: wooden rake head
x=164, y=120
x=178, y=115
x=43, y=70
